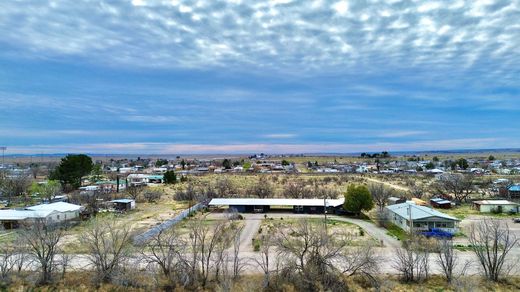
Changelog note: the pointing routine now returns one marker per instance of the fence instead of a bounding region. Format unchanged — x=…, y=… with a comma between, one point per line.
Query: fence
x=146, y=236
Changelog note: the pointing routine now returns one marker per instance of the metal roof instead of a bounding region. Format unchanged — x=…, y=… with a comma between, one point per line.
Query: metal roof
x=494, y=202
x=275, y=202
x=514, y=188
x=418, y=212
x=16, y=215
x=123, y=201
x=58, y=206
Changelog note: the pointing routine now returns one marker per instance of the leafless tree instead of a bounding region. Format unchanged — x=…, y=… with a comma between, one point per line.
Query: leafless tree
x=166, y=252
x=380, y=194
x=448, y=260
x=492, y=241
x=108, y=244
x=134, y=191
x=238, y=262
x=266, y=243
x=224, y=187
x=317, y=256
x=296, y=189
x=262, y=189
x=11, y=187
x=152, y=196
x=42, y=240
x=459, y=185
x=412, y=261
x=7, y=262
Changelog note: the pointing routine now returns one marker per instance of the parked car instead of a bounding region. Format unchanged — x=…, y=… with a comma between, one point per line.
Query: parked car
x=437, y=233
x=516, y=220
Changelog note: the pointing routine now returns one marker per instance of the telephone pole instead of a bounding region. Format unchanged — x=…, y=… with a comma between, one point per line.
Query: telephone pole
x=3, y=155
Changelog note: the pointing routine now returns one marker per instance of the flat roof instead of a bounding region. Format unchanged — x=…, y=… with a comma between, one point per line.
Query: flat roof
x=275, y=202
x=123, y=201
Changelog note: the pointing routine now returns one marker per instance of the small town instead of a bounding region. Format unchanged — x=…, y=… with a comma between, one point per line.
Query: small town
x=260, y=146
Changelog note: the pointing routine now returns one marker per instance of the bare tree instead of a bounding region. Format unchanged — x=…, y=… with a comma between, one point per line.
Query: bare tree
x=448, y=260
x=238, y=263
x=456, y=184
x=492, y=241
x=262, y=189
x=224, y=187
x=266, y=243
x=318, y=256
x=7, y=262
x=42, y=240
x=380, y=194
x=412, y=261
x=296, y=189
x=109, y=247
x=152, y=196
x=134, y=191
x=166, y=252
x=11, y=187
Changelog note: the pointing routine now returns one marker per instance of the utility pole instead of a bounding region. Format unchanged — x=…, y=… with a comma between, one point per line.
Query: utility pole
x=410, y=220
x=3, y=155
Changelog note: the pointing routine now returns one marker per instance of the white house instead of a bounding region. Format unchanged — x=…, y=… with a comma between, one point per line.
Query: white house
x=66, y=211
x=499, y=206
x=10, y=219
x=423, y=218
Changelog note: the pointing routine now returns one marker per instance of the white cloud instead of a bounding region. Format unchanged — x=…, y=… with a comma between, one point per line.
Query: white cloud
x=295, y=37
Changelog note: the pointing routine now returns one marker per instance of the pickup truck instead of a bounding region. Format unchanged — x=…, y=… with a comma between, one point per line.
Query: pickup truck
x=437, y=233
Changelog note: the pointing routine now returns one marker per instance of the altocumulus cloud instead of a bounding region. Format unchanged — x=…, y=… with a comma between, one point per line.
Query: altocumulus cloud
x=246, y=76
x=291, y=35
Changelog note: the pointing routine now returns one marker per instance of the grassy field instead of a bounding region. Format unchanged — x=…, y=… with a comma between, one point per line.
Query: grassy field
x=463, y=211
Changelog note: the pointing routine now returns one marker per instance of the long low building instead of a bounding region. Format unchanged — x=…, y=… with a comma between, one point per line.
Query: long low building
x=53, y=213
x=255, y=205
x=423, y=218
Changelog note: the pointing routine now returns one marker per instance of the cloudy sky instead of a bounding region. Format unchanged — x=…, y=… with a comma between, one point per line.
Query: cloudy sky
x=155, y=76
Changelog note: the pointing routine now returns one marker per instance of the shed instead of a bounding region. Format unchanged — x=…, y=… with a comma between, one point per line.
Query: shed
x=123, y=204
x=440, y=203
x=499, y=206
x=395, y=200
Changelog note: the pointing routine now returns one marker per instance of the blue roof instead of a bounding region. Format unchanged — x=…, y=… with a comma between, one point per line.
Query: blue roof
x=514, y=188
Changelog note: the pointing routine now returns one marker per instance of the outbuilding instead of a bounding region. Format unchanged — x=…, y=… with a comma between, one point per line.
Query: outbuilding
x=123, y=204
x=67, y=211
x=498, y=206
x=440, y=203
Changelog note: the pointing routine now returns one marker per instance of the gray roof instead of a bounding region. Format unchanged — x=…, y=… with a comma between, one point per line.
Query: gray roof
x=16, y=215
x=123, y=201
x=58, y=206
x=418, y=212
x=275, y=202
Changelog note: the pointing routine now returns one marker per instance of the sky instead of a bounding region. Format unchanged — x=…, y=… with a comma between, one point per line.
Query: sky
x=179, y=77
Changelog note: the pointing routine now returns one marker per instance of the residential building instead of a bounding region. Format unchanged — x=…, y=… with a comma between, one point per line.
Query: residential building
x=422, y=218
